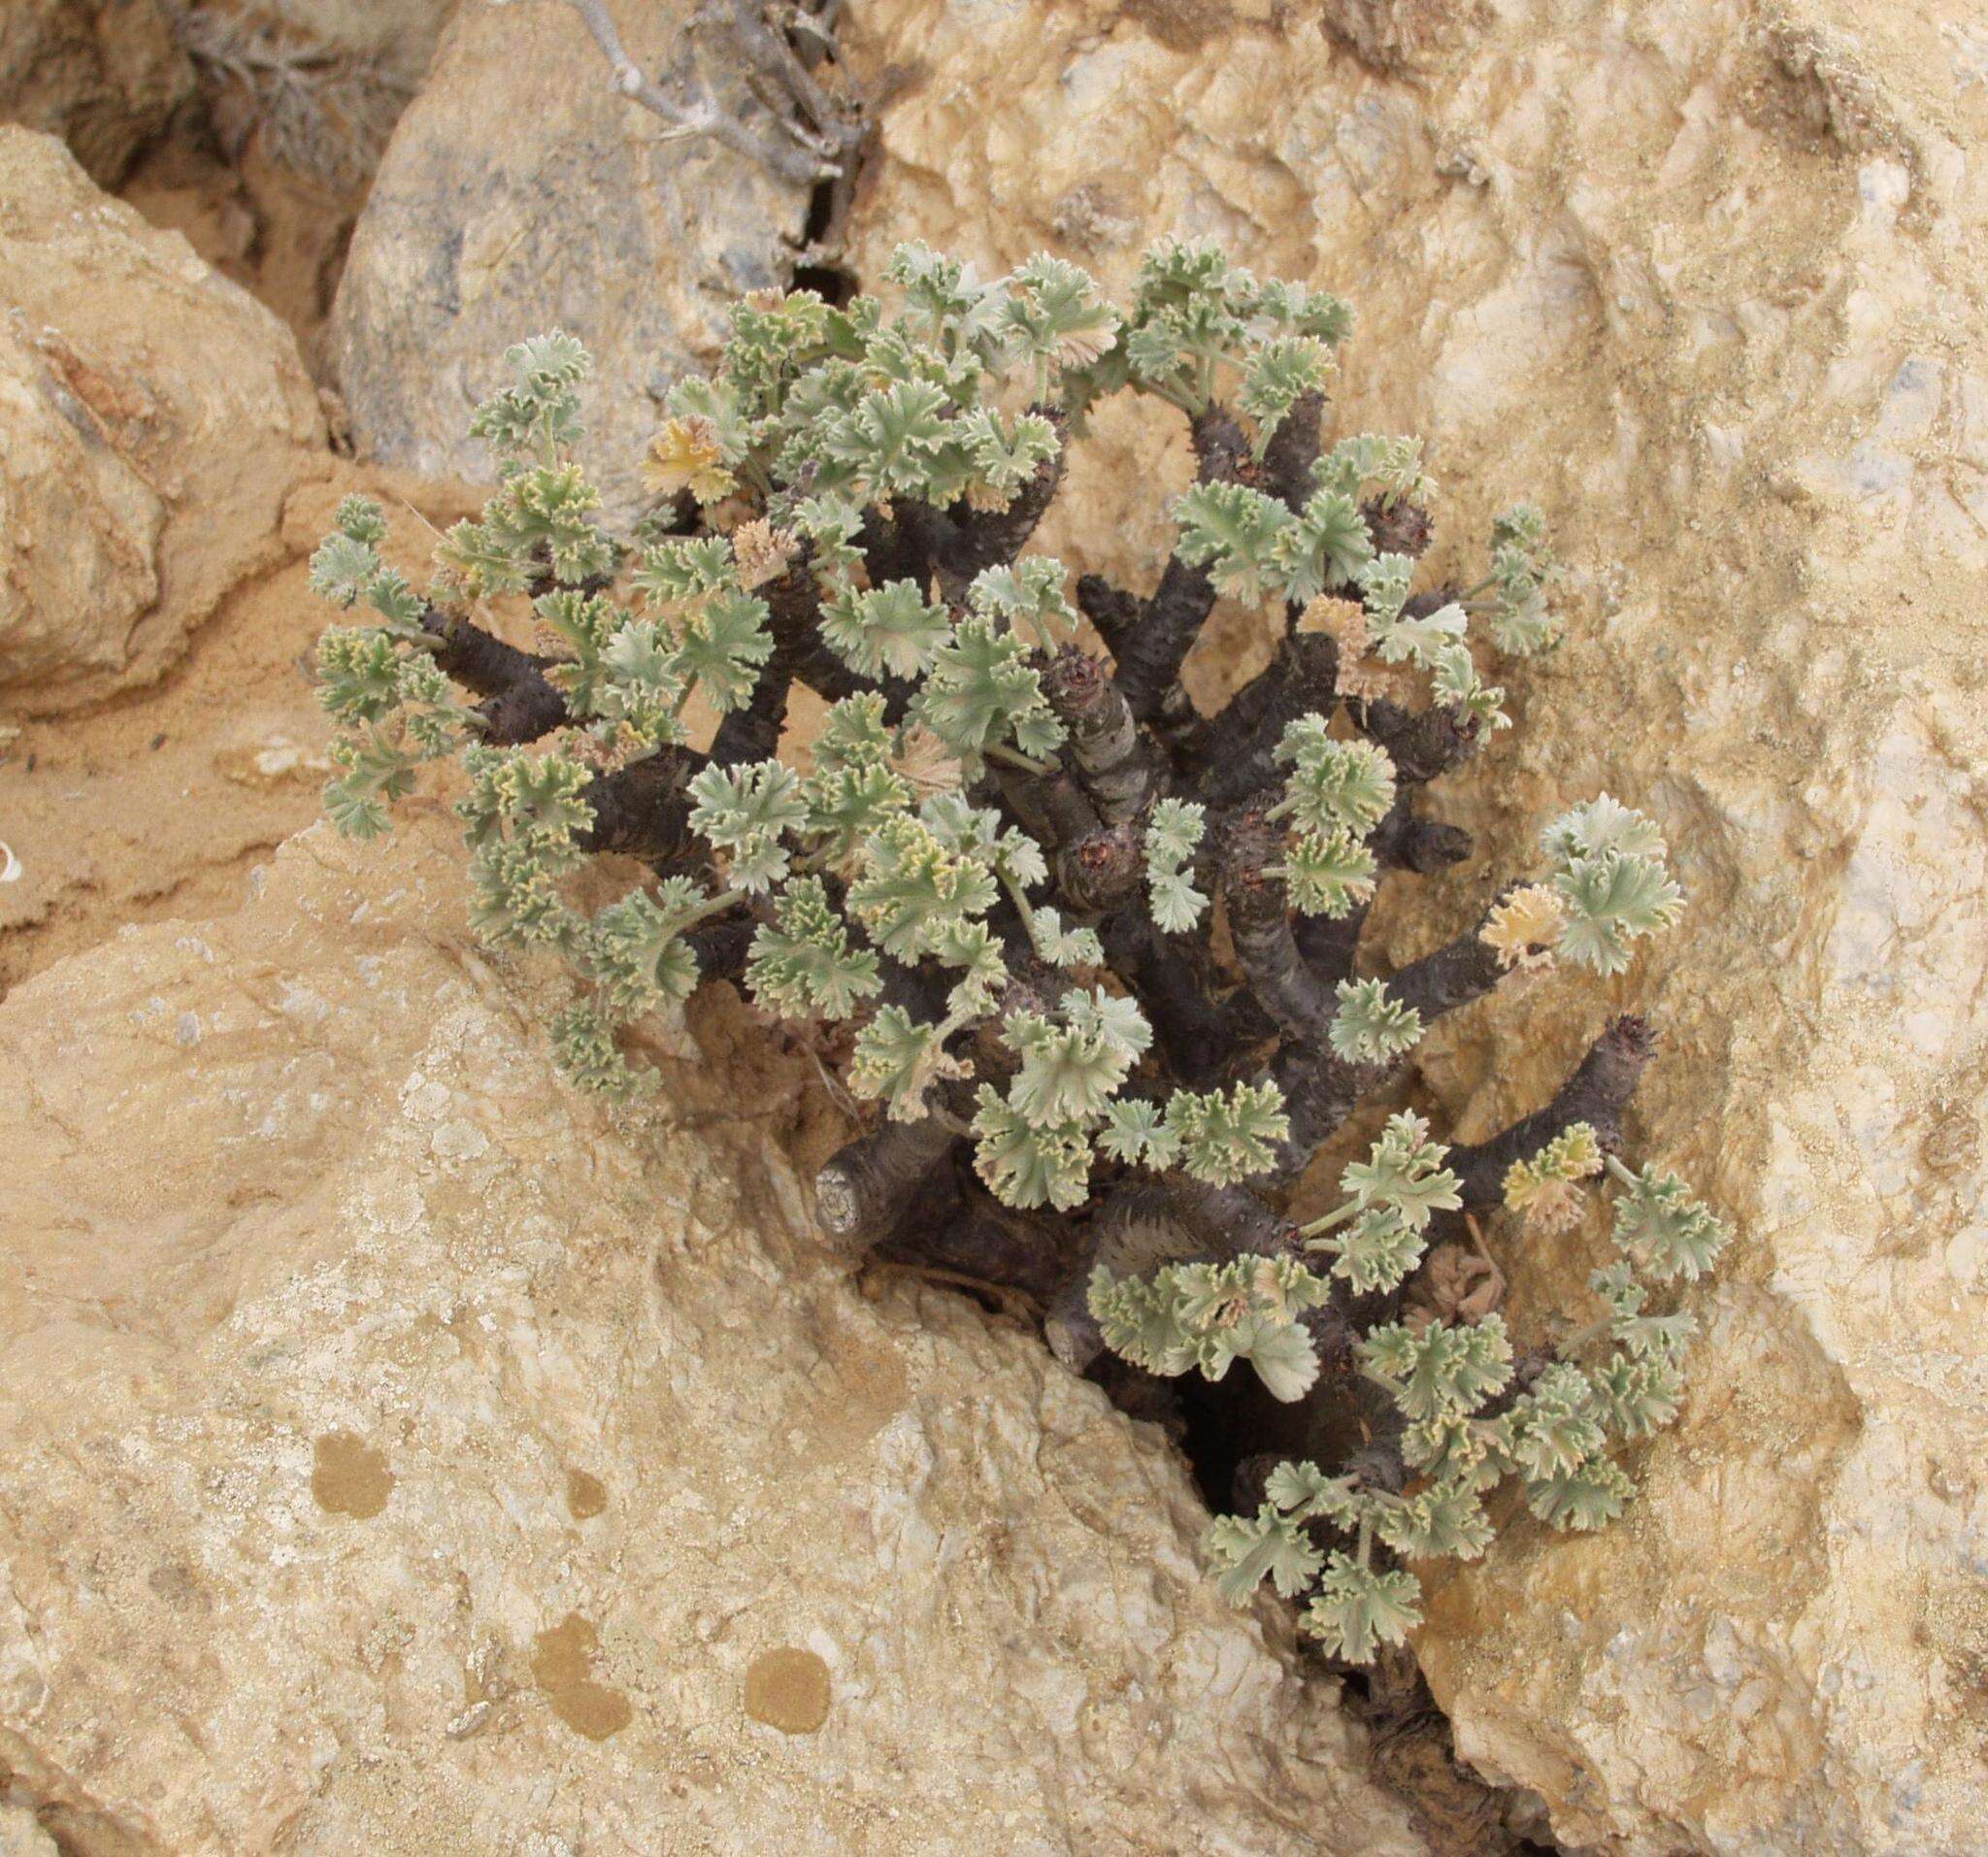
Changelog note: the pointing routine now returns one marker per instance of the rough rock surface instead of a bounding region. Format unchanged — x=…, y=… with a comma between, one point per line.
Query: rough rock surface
x=104, y=75
x=159, y=804
x=403, y=1456
x=478, y=233
x=156, y=418
x=1705, y=282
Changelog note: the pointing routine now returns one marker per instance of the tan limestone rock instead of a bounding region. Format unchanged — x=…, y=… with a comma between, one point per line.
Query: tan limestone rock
x=406, y=1456
x=158, y=805
x=157, y=417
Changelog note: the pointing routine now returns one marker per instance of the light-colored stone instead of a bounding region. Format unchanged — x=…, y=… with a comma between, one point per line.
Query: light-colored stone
x=158, y=805
x=20, y=1836
x=104, y=75
x=403, y=1456
x=521, y=193
x=1705, y=280
x=157, y=419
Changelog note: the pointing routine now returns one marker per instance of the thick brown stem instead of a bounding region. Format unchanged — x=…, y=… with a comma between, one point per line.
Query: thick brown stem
x=722, y=946
x=988, y=538
x=1422, y=743
x=1598, y=1093
x=918, y=540
x=1157, y=646
x=1102, y=870
x=1238, y=753
x=859, y=1194
x=1174, y=977
x=1292, y=451
x=1330, y=943
x=1052, y=809
x=1321, y=1089
x=1400, y=842
x=642, y=808
x=991, y=1243
x=521, y=703
x=1400, y=528
x=1114, y=760
x=1459, y=972
x=1260, y=926
x=794, y=617
x=1111, y=610
x=752, y=732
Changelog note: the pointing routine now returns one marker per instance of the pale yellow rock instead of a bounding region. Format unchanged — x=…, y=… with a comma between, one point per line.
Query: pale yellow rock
x=1705, y=280
x=404, y=1456
x=22, y=1837
x=156, y=418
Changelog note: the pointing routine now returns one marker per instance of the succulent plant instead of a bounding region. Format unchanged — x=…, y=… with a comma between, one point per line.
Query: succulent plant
x=1089, y=955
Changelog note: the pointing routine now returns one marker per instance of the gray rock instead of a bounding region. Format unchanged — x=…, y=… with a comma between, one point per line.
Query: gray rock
x=520, y=192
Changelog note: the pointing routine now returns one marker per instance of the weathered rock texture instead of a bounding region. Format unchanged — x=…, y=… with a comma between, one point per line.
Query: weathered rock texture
x=404, y=1457
x=158, y=805
x=156, y=418
x=520, y=192
x=104, y=75
x=1705, y=280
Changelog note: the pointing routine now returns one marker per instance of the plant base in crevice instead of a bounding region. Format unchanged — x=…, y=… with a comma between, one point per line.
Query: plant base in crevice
x=1095, y=959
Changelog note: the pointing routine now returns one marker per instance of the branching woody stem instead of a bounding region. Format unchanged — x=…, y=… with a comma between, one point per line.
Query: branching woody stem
x=1157, y=646
x=1598, y=1093
x=1237, y=750
x=520, y=703
x=807, y=156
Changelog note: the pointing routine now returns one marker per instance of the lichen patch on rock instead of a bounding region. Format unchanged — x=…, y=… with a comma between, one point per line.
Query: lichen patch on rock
x=350, y=1478
x=788, y=1689
x=562, y=1663
x=586, y=1496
